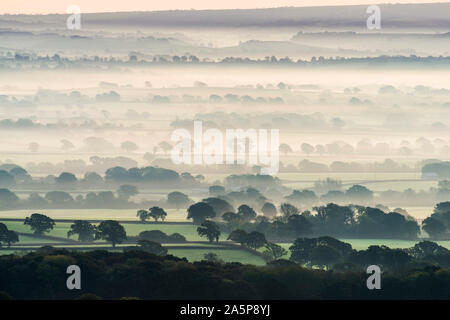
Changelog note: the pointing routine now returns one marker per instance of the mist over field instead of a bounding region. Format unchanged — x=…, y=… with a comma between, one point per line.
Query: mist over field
x=87, y=122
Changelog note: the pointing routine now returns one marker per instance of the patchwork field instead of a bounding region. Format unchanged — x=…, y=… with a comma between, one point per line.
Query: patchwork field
x=61, y=229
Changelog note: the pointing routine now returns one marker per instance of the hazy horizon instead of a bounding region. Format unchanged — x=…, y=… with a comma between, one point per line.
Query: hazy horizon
x=15, y=7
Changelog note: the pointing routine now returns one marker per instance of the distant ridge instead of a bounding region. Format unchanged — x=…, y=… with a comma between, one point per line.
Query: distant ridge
x=427, y=15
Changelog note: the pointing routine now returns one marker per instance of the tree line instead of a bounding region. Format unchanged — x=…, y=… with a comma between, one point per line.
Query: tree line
x=351, y=221
x=139, y=274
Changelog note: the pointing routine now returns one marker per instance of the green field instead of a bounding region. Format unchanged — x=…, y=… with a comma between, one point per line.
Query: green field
x=28, y=239
x=195, y=251
x=187, y=230
x=227, y=255
x=61, y=228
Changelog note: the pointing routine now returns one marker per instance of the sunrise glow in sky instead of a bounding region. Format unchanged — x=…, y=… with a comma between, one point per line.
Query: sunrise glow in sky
x=60, y=6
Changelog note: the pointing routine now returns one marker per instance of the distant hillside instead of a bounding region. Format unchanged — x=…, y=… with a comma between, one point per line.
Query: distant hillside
x=393, y=16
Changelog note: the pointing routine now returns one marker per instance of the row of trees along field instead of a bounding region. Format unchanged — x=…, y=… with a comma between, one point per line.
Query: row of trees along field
x=330, y=220
x=322, y=252
x=122, y=197
x=352, y=221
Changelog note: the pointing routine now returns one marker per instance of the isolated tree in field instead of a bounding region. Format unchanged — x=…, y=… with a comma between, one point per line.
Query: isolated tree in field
x=246, y=212
x=359, y=193
x=129, y=146
x=435, y=228
x=111, y=231
x=66, y=145
x=178, y=199
x=11, y=237
x=210, y=230
x=39, y=223
x=84, y=229
x=307, y=148
x=285, y=148
x=157, y=213
x=59, y=198
x=126, y=191
x=255, y=240
x=66, y=178
x=165, y=146
x=269, y=210
x=152, y=247
x=93, y=178
x=143, y=215
x=239, y=236
x=273, y=251
x=199, y=212
x=7, y=236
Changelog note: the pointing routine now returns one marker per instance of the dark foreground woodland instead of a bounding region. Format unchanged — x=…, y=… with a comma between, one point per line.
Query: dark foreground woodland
x=138, y=274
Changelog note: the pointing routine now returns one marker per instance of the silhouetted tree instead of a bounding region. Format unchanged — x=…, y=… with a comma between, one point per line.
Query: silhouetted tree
x=143, y=215
x=152, y=247
x=246, y=212
x=210, y=230
x=255, y=240
x=273, y=251
x=84, y=229
x=434, y=227
x=239, y=236
x=199, y=212
x=39, y=223
x=178, y=199
x=111, y=231
x=157, y=213
x=126, y=191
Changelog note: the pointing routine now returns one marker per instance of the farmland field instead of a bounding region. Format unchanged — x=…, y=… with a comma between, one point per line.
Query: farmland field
x=130, y=214
x=28, y=239
x=61, y=228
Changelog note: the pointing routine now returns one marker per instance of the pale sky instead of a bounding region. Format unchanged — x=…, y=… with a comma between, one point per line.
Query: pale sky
x=60, y=6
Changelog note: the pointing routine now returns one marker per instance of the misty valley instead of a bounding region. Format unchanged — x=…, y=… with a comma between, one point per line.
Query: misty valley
x=231, y=154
